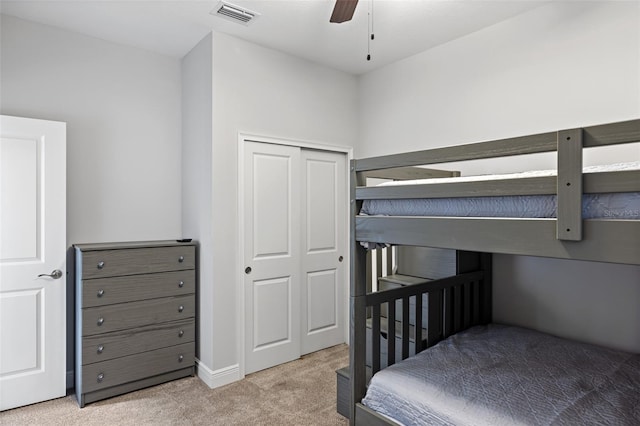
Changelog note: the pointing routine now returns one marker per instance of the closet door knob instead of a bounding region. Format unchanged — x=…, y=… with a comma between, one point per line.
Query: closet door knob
x=100, y=377
x=180, y=358
x=340, y=259
x=100, y=293
x=100, y=265
x=180, y=308
x=181, y=284
x=180, y=333
x=181, y=259
x=100, y=321
x=100, y=349
x=247, y=270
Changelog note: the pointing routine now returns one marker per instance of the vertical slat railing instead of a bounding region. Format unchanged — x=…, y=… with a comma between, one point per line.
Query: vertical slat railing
x=391, y=333
x=405, y=327
x=447, y=307
x=476, y=302
x=457, y=309
x=375, y=338
x=418, y=326
x=434, y=317
x=466, y=308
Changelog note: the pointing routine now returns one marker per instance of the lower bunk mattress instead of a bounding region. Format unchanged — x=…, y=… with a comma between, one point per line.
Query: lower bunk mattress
x=505, y=375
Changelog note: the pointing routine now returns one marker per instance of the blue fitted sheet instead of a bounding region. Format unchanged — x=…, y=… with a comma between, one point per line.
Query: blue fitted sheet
x=624, y=205
x=503, y=375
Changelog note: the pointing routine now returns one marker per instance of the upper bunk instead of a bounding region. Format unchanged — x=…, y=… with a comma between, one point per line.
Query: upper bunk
x=567, y=235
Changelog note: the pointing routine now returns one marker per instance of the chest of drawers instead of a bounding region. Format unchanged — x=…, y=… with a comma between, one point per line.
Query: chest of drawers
x=135, y=316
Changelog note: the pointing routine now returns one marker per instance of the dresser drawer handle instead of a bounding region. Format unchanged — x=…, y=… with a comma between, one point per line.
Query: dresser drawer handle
x=100, y=349
x=181, y=284
x=180, y=358
x=100, y=293
x=180, y=308
x=100, y=321
x=180, y=333
x=181, y=259
x=100, y=265
x=100, y=377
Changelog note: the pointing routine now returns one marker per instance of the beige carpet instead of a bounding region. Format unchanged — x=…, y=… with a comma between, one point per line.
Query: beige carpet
x=301, y=392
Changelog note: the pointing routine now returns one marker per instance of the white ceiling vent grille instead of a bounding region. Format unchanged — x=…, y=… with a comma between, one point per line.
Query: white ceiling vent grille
x=234, y=13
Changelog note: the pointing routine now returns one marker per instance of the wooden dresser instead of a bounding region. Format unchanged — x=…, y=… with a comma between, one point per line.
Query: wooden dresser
x=135, y=316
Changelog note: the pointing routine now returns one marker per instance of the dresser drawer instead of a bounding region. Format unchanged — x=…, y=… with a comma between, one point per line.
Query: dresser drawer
x=104, y=319
x=117, y=344
x=105, y=374
x=111, y=263
x=107, y=291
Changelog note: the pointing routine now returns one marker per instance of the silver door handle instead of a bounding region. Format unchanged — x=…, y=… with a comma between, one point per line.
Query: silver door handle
x=56, y=274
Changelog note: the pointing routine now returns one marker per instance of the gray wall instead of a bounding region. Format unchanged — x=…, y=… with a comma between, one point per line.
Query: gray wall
x=122, y=109
x=561, y=65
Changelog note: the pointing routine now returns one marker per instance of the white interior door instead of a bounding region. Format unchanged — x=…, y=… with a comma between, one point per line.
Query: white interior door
x=323, y=249
x=32, y=242
x=271, y=254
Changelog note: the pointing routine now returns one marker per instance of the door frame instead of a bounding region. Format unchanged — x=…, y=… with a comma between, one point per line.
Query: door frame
x=240, y=293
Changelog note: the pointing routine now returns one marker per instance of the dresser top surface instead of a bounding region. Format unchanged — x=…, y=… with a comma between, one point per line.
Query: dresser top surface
x=131, y=244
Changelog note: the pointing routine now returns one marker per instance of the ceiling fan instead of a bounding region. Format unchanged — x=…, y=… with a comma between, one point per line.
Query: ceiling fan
x=343, y=11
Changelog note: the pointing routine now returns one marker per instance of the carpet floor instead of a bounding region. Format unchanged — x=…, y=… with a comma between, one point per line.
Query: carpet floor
x=301, y=392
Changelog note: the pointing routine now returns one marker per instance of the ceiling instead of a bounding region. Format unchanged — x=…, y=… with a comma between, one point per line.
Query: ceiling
x=299, y=27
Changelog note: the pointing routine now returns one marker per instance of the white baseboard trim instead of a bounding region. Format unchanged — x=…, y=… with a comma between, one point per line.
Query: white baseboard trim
x=217, y=378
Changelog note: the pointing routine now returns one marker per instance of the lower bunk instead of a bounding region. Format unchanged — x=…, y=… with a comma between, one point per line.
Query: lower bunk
x=459, y=368
x=505, y=375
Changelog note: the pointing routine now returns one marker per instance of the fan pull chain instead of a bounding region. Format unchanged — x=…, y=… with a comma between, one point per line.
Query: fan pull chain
x=370, y=35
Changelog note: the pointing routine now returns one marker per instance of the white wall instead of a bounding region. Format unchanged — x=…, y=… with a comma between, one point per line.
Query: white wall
x=563, y=65
x=197, y=216
x=263, y=92
x=122, y=109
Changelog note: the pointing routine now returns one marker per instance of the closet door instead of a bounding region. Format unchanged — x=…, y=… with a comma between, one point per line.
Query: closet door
x=271, y=254
x=323, y=230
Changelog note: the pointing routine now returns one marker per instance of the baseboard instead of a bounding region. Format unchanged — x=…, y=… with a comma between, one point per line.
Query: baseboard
x=217, y=378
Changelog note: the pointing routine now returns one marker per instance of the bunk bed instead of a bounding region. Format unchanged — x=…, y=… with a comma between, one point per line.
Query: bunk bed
x=458, y=308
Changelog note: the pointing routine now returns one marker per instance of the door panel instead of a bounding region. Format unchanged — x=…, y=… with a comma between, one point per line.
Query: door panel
x=321, y=203
x=324, y=242
x=322, y=295
x=21, y=204
x=271, y=205
x=271, y=322
x=272, y=255
x=33, y=242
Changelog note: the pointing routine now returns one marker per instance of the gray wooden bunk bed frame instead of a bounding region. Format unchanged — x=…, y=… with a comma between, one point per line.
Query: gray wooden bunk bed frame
x=461, y=301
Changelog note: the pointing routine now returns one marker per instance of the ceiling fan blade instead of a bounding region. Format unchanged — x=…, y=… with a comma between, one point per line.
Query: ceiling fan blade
x=343, y=10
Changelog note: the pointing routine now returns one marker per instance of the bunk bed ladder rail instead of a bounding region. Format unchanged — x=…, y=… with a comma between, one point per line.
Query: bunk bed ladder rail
x=453, y=304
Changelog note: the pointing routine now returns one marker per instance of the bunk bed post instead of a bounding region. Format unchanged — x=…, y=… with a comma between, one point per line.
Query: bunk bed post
x=358, y=290
x=569, y=221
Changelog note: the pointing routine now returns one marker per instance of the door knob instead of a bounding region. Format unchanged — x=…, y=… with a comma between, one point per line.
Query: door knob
x=340, y=259
x=247, y=270
x=56, y=274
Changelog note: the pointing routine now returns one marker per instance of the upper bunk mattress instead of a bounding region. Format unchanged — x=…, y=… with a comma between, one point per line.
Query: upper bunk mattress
x=503, y=375
x=625, y=205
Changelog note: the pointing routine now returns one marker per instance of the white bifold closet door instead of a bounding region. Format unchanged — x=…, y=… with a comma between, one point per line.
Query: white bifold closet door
x=294, y=240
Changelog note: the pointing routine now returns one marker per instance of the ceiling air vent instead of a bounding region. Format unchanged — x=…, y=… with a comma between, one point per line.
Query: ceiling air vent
x=234, y=13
